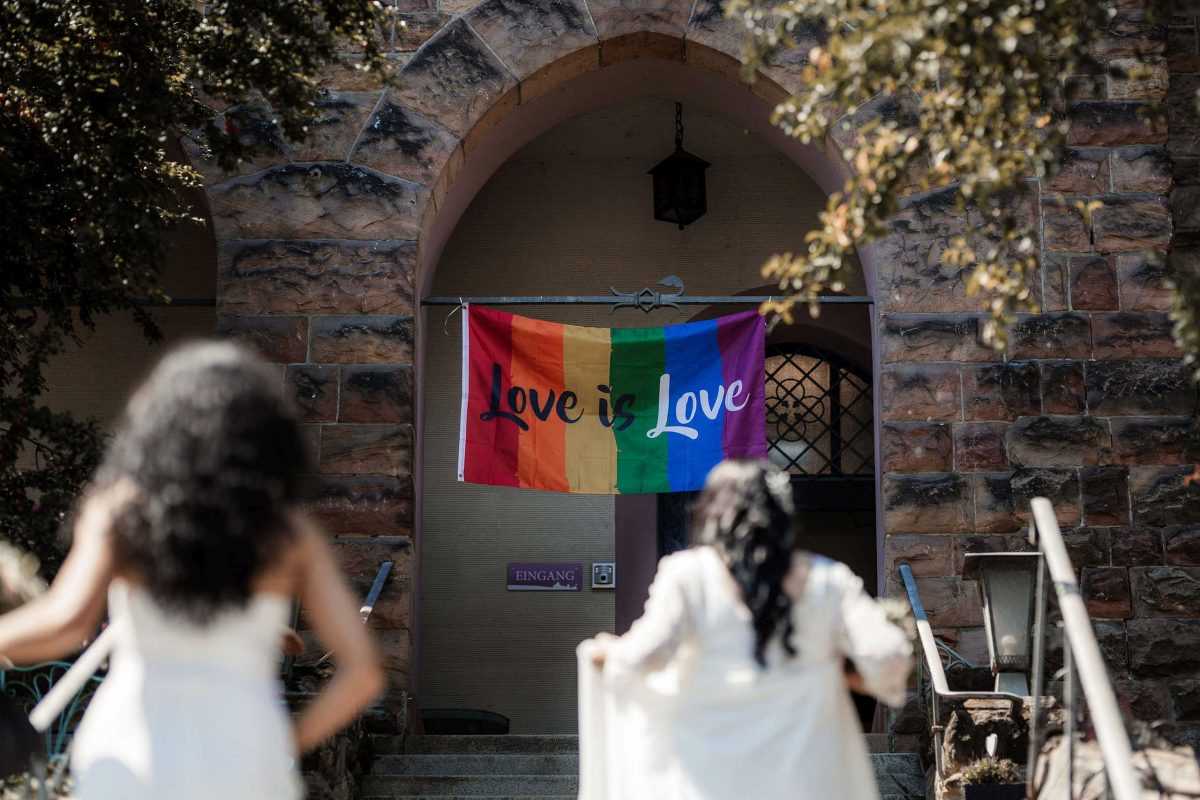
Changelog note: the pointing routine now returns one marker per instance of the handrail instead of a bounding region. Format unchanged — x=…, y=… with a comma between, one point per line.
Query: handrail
x=937, y=674
x=1083, y=656
x=368, y=606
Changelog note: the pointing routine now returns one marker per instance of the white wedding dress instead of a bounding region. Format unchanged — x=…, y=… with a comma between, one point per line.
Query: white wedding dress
x=684, y=712
x=188, y=712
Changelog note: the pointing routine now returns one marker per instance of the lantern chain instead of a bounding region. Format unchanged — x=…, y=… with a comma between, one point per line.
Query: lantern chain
x=679, y=126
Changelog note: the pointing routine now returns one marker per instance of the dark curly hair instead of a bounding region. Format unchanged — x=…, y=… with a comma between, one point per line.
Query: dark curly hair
x=213, y=453
x=747, y=514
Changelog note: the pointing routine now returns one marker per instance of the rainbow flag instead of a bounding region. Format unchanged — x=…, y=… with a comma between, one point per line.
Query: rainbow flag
x=608, y=411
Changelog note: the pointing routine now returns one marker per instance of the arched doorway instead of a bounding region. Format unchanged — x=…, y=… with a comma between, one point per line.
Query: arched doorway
x=569, y=214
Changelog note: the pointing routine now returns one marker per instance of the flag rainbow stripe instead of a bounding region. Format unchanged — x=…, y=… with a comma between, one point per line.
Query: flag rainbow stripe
x=601, y=411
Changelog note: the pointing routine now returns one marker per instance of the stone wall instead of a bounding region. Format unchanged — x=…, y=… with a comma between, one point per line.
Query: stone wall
x=319, y=247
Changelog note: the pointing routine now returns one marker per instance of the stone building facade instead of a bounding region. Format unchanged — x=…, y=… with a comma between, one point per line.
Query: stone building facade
x=325, y=248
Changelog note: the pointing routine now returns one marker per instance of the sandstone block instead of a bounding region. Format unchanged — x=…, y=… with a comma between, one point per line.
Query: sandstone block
x=1105, y=495
x=1101, y=123
x=337, y=119
x=927, y=503
x=415, y=28
x=1131, y=222
x=979, y=446
x=1183, y=545
x=400, y=141
x=283, y=340
x=529, y=36
x=361, y=504
x=317, y=201
x=1156, y=440
x=1130, y=34
x=1093, y=283
x=1141, y=169
x=1055, y=282
x=313, y=389
x=1147, y=699
x=316, y=277
x=951, y=602
x=1166, y=591
x=362, y=340
x=1138, y=78
x=927, y=555
x=1088, y=546
x=967, y=543
x=1133, y=335
x=916, y=447
x=1056, y=336
x=1063, y=227
x=1057, y=441
x=1181, y=47
x=1164, y=647
x=454, y=79
x=1136, y=547
x=1106, y=592
x=1063, y=389
x=620, y=17
x=367, y=450
x=1082, y=171
x=1002, y=498
x=933, y=337
x=1185, y=700
x=912, y=392
x=1140, y=387
x=1142, y=283
x=376, y=394
x=1162, y=496
x=1001, y=391
x=359, y=558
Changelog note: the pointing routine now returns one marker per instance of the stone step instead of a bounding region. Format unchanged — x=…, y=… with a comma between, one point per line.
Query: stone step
x=491, y=786
x=527, y=767
x=549, y=744
x=472, y=764
x=553, y=743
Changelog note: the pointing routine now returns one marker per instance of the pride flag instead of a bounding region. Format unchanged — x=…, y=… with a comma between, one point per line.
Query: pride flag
x=608, y=411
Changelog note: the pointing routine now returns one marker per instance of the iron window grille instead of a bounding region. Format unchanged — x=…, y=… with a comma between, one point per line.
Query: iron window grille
x=820, y=413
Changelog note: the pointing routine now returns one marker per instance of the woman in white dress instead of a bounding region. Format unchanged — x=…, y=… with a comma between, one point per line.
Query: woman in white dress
x=192, y=538
x=734, y=683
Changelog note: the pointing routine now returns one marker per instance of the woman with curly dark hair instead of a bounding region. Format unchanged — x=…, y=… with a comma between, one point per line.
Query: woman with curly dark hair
x=192, y=538
x=733, y=682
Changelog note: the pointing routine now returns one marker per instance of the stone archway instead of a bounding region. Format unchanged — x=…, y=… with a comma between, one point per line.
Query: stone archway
x=324, y=248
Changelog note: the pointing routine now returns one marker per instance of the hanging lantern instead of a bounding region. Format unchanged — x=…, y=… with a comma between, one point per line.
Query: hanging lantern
x=679, y=195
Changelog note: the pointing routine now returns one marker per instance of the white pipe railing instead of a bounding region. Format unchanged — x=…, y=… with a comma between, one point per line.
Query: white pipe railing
x=937, y=674
x=1079, y=637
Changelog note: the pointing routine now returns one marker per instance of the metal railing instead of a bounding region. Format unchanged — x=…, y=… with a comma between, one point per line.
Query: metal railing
x=940, y=691
x=1083, y=667
x=364, y=611
x=1083, y=664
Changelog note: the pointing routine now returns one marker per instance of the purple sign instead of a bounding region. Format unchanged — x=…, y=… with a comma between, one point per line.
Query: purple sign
x=536, y=577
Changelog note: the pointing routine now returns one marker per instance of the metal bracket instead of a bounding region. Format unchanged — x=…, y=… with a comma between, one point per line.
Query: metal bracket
x=647, y=299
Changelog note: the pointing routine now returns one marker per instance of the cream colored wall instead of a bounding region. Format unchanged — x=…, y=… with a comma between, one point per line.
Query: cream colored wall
x=95, y=378
x=569, y=214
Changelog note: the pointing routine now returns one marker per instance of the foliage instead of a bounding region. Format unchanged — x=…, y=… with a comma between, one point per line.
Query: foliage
x=992, y=770
x=94, y=91
x=965, y=96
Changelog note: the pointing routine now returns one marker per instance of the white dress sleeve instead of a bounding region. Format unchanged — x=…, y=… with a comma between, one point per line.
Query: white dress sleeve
x=879, y=650
x=653, y=639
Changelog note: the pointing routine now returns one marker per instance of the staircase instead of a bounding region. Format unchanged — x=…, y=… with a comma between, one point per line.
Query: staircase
x=539, y=767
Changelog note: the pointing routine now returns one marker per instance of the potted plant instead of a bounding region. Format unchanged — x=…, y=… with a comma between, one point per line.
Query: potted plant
x=993, y=779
